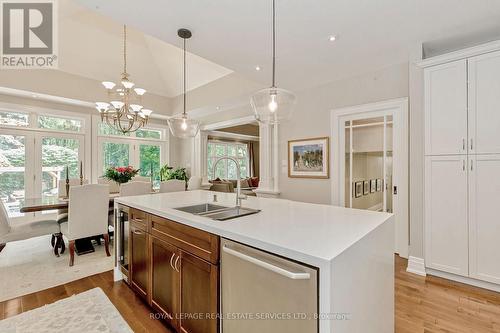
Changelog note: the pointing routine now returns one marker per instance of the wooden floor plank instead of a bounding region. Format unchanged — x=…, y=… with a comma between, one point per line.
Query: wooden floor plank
x=422, y=304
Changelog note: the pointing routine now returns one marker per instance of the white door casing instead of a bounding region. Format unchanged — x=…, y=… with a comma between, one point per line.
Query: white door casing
x=398, y=109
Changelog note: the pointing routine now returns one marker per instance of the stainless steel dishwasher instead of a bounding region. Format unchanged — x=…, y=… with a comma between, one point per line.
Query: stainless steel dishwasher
x=265, y=293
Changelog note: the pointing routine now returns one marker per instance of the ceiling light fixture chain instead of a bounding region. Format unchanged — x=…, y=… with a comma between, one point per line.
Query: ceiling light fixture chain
x=124, y=111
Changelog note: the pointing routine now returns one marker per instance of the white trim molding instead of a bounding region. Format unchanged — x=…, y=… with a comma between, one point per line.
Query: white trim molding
x=460, y=54
x=416, y=266
x=464, y=280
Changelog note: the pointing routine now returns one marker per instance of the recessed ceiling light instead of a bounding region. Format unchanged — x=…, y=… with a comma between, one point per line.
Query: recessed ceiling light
x=217, y=108
x=257, y=68
x=332, y=38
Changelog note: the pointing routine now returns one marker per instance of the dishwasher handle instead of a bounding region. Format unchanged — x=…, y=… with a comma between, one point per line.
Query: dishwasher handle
x=268, y=266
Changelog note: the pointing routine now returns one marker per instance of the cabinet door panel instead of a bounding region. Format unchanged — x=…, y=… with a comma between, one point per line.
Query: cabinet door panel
x=446, y=109
x=199, y=295
x=139, y=258
x=165, y=279
x=484, y=223
x=446, y=229
x=484, y=103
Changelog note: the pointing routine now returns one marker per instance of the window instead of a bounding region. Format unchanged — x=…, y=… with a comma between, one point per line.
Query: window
x=105, y=129
x=59, y=124
x=12, y=172
x=14, y=119
x=226, y=169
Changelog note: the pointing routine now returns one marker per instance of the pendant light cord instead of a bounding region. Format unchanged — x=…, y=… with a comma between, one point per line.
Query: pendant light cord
x=184, y=77
x=274, y=44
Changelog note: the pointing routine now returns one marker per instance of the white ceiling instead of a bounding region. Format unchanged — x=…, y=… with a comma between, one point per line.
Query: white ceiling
x=90, y=45
x=372, y=33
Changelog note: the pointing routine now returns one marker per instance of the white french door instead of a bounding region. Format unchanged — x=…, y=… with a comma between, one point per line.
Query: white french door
x=371, y=162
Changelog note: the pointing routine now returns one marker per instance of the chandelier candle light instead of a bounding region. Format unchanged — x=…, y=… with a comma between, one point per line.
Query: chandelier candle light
x=124, y=111
x=181, y=126
x=273, y=105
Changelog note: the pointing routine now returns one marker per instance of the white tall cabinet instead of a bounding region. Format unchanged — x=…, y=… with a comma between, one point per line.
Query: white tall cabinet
x=462, y=167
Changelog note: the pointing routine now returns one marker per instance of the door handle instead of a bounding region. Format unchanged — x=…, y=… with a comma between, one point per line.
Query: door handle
x=138, y=220
x=266, y=265
x=172, y=258
x=471, y=144
x=137, y=232
x=175, y=264
x=463, y=144
x=471, y=165
x=463, y=165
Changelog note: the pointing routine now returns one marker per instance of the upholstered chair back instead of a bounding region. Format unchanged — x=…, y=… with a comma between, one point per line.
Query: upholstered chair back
x=172, y=185
x=88, y=211
x=135, y=188
x=61, y=191
x=114, y=187
x=4, y=220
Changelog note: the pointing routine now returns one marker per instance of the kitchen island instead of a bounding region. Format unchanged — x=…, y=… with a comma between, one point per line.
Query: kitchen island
x=351, y=250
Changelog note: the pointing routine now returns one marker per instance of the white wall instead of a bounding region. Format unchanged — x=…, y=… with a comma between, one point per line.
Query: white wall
x=312, y=119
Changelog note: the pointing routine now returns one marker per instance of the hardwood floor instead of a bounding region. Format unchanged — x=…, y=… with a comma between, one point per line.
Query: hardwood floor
x=423, y=305
x=431, y=304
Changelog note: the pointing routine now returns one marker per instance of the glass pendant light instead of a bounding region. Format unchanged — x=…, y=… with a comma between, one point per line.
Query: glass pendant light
x=181, y=126
x=273, y=105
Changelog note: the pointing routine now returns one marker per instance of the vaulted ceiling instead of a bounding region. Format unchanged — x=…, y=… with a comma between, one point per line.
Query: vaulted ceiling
x=371, y=34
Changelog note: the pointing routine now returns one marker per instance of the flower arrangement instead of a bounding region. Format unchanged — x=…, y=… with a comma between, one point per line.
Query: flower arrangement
x=120, y=174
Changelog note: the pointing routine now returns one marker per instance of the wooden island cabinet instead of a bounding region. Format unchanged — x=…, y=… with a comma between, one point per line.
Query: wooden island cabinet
x=175, y=269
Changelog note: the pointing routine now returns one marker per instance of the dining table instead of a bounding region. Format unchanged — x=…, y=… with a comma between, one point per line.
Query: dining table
x=31, y=205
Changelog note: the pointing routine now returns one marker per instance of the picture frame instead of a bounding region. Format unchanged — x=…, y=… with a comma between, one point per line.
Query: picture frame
x=309, y=158
x=366, y=187
x=373, y=185
x=358, y=189
x=379, y=185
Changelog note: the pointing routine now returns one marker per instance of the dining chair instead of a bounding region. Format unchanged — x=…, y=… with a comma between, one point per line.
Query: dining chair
x=114, y=187
x=135, y=188
x=87, y=215
x=194, y=183
x=16, y=232
x=172, y=185
x=141, y=179
x=62, y=214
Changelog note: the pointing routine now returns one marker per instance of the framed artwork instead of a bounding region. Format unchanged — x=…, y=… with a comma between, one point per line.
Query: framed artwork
x=358, y=189
x=379, y=185
x=366, y=187
x=373, y=185
x=309, y=158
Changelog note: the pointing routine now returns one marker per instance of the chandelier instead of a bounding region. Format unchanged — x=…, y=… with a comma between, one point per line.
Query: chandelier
x=123, y=111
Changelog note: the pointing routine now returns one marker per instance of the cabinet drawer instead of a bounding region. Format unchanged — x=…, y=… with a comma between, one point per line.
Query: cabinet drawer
x=139, y=219
x=198, y=242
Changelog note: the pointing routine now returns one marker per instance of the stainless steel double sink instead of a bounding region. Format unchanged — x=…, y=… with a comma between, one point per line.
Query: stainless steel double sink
x=216, y=212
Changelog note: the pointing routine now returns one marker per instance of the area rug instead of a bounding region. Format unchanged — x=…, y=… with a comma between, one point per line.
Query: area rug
x=90, y=312
x=30, y=265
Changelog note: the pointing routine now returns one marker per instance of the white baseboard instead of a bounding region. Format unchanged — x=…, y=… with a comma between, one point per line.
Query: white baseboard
x=416, y=266
x=465, y=280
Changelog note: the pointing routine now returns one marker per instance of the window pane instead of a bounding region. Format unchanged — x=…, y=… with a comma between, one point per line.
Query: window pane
x=231, y=170
x=149, y=158
x=14, y=118
x=244, y=168
x=210, y=149
x=57, y=154
x=60, y=124
x=210, y=168
x=220, y=150
x=231, y=150
x=105, y=129
x=148, y=133
x=115, y=154
x=220, y=170
x=242, y=151
x=12, y=161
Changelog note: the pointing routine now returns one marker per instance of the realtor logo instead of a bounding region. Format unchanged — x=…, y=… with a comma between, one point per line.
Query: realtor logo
x=28, y=34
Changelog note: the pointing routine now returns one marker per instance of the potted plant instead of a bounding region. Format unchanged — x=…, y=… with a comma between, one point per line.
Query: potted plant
x=120, y=174
x=168, y=172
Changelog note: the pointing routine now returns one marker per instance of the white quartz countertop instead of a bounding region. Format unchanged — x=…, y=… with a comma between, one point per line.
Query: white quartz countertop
x=310, y=233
